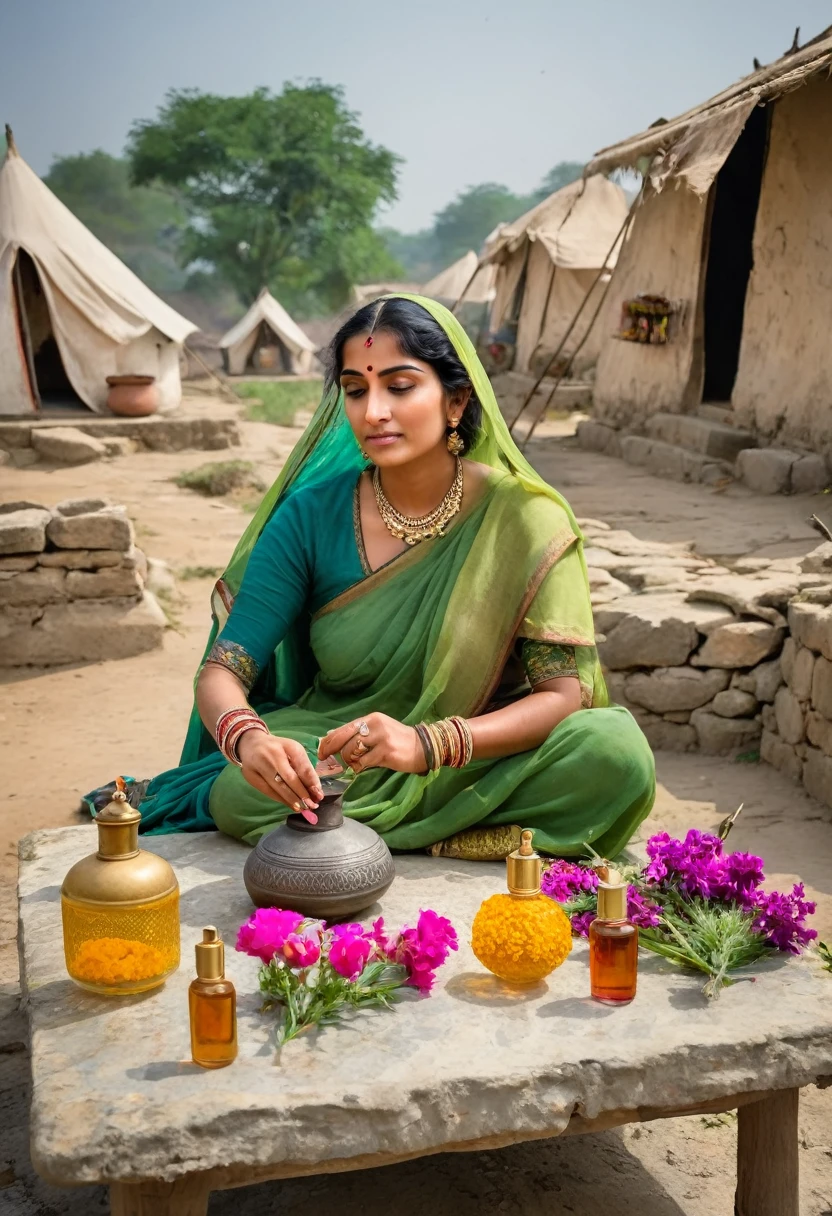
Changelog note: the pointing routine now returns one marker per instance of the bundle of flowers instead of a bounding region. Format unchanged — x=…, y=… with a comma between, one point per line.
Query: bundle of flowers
x=695, y=904
x=313, y=974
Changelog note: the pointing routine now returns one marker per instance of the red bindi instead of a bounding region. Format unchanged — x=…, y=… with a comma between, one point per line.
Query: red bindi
x=369, y=341
x=370, y=367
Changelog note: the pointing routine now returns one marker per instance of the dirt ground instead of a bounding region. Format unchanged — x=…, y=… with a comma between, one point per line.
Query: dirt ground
x=67, y=730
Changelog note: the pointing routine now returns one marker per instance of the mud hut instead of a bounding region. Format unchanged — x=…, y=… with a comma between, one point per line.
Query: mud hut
x=733, y=233
x=71, y=313
x=546, y=262
x=267, y=340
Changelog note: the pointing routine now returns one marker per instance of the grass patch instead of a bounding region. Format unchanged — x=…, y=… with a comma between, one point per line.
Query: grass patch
x=220, y=478
x=752, y=757
x=189, y=572
x=278, y=401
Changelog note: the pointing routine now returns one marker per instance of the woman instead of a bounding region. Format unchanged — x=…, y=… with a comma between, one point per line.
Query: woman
x=420, y=618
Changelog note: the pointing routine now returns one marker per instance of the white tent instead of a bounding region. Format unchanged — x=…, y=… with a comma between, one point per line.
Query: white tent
x=463, y=276
x=546, y=261
x=71, y=313
x=267, y=324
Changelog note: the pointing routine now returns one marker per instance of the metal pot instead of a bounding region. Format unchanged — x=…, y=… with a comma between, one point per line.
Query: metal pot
x=331, y=869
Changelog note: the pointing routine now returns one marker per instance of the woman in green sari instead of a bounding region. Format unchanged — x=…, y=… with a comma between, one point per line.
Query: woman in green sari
x=420, y=618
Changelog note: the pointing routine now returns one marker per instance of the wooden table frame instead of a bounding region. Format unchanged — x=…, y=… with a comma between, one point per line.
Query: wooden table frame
x=767, y=1159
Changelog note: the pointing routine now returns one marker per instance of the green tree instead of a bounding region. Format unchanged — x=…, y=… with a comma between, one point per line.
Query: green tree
x=563, y=173
x=281, y=189
x=466, y=222
x=142, y=225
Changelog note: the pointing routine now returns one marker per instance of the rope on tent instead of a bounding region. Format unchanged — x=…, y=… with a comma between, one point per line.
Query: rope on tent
x=224, y=385
x=548, y=366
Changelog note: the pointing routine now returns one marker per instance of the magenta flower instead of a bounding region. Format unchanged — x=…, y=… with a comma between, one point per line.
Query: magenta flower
x=581, y=922
x=425, y=948
x=563, y=880
x=265, y=932
x=349, y=950
x=742, y=875
x=782, y=918
x=642, y=911
x=302, y=950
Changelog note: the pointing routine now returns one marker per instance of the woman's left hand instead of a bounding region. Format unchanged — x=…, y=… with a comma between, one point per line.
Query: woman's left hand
x=375, y=742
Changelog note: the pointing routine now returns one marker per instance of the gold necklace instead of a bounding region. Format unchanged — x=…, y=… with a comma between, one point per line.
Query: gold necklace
x=410, y=528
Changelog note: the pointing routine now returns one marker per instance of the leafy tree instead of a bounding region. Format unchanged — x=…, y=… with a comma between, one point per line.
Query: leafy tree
x=141, y=224
x=281, y=189
x=563, y=173
x=467, y=221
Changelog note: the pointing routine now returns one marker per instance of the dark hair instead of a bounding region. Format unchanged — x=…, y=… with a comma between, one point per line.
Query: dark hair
x=419, y=336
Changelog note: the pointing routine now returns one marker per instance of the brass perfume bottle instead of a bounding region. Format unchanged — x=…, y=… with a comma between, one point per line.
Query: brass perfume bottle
x=212, y=1004
x=120, y=909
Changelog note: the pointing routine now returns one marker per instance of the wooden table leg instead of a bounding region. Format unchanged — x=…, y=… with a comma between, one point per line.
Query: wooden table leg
x=767, y=1149
x=185, y=1197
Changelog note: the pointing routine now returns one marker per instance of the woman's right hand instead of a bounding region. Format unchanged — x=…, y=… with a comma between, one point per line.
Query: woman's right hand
x=280, y=769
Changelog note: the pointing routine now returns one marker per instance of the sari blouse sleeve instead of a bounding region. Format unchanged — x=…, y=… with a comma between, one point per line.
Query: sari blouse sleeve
x=274, y=591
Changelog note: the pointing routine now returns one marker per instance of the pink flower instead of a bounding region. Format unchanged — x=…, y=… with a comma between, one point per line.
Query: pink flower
x=581, y=922
x=265, y=932
x=423, y=949
x=302, y=950
x=349, y=950
x=782, y=917
x=564, y=880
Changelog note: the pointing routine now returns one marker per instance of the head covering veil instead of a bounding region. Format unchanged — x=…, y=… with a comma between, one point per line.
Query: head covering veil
x=328, y=449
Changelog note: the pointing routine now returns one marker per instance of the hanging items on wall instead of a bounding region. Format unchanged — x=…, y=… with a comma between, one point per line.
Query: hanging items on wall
x=647, y=318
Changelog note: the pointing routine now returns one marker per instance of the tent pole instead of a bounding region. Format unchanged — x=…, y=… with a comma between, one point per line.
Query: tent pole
x=529, y=396
x=224, y=385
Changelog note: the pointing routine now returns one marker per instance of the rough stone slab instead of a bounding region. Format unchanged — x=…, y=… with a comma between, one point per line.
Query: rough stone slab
x=739, y=644
x=819, y=732
x=745, y=596
x=767, y=679
x=82, y=506
x=102, y=584
x=672, y=689
x=598, y=437
x=780, y=755
x=37, y=587
x=819, y=560
x=724, y=736
x=431, y=1074
x=107, y=529
x=801, y=667
x=587, y=524
x=766, y=470
x=663, y=735
x=809, y=474
x=734, y=703
x=24, y=531
x=700, y=434
x=820, y=684
x=23, y=561
x=626, y=545
x=811, y=625
x=66, y=445
x=790, y=715
x=84, y=631
x=8, y=508
x=817, y=775
x=82, y=559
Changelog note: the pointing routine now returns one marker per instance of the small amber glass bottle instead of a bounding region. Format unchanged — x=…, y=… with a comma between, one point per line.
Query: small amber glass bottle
x=212, y=1002
x=613, y=943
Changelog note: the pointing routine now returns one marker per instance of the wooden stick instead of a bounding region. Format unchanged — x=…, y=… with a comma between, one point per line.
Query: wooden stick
x=767, y=1156
x=224, y=385
x=819, y=526
x=187, y=1196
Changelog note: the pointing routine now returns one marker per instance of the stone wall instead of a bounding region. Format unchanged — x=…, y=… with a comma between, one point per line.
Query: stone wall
x=716, y=660
x=72, y=585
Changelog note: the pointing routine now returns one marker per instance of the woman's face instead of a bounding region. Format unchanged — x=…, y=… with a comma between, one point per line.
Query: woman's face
x=395, y=404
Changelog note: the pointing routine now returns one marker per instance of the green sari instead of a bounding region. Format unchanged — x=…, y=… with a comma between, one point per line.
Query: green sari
x=426, y=636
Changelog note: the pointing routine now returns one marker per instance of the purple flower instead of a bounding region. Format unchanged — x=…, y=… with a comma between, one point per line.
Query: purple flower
x=302, y=950
x=642, y=911
x=563, y=880
x=694, y=865
x=781, y=917
x=349, y=950
x=264, y=933
x=581, y=922
x=742, y=875
x=424, y=948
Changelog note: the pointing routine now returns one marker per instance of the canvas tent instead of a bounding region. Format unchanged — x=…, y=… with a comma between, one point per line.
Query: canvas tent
x=734, y=230
x=71, y=313
x=267, y=339
x=462, y=276
x=546, y=261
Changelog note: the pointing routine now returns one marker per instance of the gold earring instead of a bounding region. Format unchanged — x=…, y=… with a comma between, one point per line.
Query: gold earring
x=366, y=455
x=456, y=444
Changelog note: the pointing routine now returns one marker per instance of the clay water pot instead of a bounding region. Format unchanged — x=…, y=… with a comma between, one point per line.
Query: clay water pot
x=132, y=396
x=330, y=870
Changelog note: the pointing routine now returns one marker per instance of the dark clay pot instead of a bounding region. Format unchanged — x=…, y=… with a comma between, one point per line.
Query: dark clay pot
x=331, y=870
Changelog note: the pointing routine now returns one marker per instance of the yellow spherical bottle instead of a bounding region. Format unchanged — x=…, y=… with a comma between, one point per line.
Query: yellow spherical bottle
x=120, y=909
x=523, y=936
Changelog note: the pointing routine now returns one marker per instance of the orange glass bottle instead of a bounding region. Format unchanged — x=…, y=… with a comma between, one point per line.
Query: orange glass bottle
x=613, y=943
x=212, y=1002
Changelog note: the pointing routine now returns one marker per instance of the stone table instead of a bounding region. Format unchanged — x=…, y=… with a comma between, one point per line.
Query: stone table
x=117, y=1100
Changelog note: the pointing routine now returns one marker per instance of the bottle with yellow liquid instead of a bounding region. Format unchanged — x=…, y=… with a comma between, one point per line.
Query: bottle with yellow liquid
x=212, y=1003
x=120, y=909
x=523, y=936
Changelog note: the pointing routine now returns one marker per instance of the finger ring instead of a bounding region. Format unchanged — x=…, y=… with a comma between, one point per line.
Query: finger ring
x=360, y=748
x=277, y=777
x=363, y=728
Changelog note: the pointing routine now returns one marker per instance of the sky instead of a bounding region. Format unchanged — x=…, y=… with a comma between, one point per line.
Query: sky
x=466, y=91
